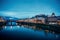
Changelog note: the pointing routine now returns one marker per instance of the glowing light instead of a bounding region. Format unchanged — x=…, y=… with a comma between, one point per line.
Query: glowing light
x=5, y=27
x=11, y=27
x=18, y=26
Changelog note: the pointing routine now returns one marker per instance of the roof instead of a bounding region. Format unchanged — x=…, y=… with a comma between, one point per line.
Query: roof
x=41, y=16
x=52, y=18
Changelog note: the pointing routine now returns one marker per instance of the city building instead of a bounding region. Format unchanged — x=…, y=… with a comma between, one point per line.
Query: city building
x=58, y=20
x=41, y=20
x=52, y=19
x=2, y=19
x=44, y=19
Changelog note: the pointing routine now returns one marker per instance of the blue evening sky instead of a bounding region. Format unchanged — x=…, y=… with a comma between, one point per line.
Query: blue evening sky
x=28, y=8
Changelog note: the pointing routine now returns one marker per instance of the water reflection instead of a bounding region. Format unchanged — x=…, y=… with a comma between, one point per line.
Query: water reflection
x=19, y=31
x=22, y=28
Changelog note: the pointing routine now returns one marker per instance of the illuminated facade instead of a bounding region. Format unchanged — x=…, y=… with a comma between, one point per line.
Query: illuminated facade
x=58, y=22
x=43, y=19
x=2, y=20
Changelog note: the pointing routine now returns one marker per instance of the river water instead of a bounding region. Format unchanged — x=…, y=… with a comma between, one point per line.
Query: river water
x=21, y=32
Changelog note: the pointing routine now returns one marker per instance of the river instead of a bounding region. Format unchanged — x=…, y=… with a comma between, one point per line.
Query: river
x=21, y=32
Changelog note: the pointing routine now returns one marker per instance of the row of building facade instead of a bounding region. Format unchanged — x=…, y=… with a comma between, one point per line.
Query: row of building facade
x=44, y=19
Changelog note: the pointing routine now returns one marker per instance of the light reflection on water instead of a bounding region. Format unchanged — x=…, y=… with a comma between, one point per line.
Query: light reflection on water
x=18, y=30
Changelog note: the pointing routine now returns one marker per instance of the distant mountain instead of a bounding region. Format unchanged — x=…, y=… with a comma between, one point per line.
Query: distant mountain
x=8, y=18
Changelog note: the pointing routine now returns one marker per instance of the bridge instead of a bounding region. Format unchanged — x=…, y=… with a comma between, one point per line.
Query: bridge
x=8, y=23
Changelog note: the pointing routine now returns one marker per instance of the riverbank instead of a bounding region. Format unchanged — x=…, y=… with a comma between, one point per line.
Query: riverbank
x=53, y=28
